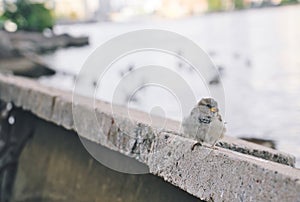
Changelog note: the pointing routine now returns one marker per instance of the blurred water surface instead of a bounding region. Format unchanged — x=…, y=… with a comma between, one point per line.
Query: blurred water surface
x=258, y=50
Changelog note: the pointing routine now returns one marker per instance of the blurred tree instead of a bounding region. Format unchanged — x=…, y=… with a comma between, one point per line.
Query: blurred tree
x=238, y=4
x=29, y=16
x=215, y=5
x=283, y=2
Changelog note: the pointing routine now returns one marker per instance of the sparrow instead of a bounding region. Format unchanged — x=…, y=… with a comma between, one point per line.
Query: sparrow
x=204, y=124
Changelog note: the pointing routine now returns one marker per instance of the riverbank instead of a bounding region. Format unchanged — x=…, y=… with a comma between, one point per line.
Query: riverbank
x=19, y=52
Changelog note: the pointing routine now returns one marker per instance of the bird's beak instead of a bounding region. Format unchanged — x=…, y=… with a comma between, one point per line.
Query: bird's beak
x=214, y=109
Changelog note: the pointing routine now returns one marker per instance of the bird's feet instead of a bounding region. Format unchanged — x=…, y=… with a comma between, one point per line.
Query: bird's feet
x=196, y=144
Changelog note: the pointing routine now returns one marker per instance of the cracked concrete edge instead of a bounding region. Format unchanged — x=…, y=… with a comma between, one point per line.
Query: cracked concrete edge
x=225, y=175
x=256, y=150
x=222, y=174
x=57, y=106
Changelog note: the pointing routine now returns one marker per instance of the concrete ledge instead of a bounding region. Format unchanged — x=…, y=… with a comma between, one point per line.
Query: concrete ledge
x=56, y=106
x=256, y=150
x=224, y=175
x=250, y=173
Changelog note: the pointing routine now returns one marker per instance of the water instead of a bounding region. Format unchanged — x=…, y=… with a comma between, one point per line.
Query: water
x=258, y=50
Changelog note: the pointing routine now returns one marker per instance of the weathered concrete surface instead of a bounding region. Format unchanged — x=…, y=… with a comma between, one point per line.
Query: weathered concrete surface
x=56, y=106
x=223, y=175
x=256, y=150
x=55, y=167
x=218, y=175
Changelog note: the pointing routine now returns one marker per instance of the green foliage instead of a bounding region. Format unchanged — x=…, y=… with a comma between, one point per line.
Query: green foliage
x=239, y=4
x=215, y=5
x=29, y=16
x=289, y=2
x=2, y=19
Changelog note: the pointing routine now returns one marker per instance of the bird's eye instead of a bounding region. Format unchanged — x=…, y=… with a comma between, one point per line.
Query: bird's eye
x=214, y=109
x=209, y=106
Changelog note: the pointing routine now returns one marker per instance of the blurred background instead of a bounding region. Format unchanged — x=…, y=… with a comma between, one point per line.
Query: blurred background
x=255, y=45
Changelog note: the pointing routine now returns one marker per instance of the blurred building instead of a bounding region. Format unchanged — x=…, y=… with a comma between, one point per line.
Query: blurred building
x=180, y=8
x=78, y=10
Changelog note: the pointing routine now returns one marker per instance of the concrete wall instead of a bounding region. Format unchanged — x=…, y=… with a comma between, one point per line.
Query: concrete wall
x=236, y=171
x=54, y=166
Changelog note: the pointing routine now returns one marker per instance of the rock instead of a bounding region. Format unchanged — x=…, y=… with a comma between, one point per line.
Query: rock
x=37, y=42
x=23, y=67
x=18, y=51
x=29, y=65
x=6, y=48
